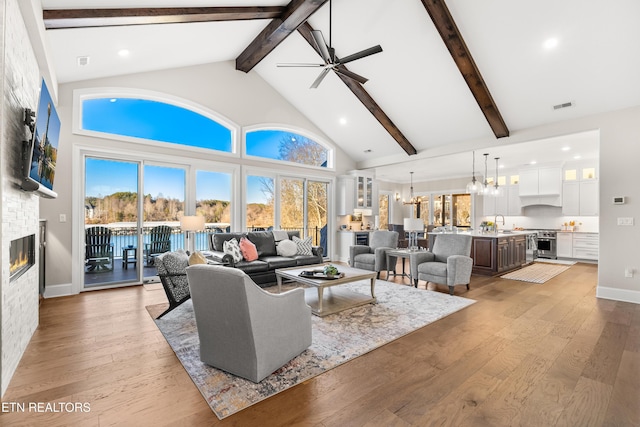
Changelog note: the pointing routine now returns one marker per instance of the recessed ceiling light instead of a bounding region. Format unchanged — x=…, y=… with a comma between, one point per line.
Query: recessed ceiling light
x=550, y=43
x=342, y=121
x=577, y=157
x=123, y=52
x=532, y=162
x=566, y=148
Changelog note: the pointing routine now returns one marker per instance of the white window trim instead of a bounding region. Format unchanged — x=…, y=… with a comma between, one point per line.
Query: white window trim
x=331, y=151
x=80, y=95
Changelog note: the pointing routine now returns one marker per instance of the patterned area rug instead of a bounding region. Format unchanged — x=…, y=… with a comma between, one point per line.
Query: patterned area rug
x=337, y=339
x=538, y=272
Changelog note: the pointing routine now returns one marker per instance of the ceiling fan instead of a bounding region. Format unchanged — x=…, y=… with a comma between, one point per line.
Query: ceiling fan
x=331, y=61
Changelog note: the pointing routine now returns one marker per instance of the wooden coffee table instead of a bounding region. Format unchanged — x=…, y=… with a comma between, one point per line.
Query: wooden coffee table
x=336, y=298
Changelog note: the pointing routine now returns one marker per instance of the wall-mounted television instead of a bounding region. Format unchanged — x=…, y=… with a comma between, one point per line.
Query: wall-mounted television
x=41, y=151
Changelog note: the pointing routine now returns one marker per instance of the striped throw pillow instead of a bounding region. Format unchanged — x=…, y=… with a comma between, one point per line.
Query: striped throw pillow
x=304, y=245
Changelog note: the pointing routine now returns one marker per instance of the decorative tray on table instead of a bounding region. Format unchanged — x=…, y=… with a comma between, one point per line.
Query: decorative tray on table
x=319, y=274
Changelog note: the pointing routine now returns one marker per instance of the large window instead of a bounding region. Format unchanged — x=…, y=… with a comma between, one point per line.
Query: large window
x=286, y=146
x=260, y=202
x=213, y=200
x=156, y=121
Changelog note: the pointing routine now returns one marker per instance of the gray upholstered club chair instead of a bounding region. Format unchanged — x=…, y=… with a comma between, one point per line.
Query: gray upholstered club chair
x=374, y=257
x=243, y=329
x=448, y=263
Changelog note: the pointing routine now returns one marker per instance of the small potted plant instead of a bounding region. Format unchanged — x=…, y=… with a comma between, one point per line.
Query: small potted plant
x=330, y=271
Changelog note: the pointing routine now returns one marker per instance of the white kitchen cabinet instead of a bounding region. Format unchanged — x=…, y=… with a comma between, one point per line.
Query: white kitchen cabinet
x=571, y=198
x=589, y=197
x=528, y=182
x=346, y=195
x=580, y=198
x=366, y=196
x=585, y=246
x=549, y=181
x=565, y=245
x=345, y=241
x=541, y=186
x=506, y=204
x=514, y=205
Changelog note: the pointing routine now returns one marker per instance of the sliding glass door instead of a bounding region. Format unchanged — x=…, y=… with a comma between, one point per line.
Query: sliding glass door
x=303, y=206
x=111, y=212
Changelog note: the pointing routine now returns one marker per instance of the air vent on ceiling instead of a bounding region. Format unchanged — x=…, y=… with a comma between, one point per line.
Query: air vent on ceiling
x=565, y=105
x=83, y=60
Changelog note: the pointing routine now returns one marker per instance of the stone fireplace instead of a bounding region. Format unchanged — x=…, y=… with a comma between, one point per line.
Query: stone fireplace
x=22, y=255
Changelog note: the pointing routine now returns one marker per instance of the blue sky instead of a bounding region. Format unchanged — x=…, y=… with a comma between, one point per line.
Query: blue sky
x=53, y=131
x=164, y=122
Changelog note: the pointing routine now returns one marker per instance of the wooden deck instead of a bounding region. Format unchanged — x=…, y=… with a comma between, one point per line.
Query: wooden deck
x=524, y=354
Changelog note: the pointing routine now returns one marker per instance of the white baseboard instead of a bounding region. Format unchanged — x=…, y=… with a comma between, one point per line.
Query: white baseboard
x=624, y=295
x=53, y=291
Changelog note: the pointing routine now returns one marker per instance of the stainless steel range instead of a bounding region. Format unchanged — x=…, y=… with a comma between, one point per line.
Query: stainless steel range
x=547, y=244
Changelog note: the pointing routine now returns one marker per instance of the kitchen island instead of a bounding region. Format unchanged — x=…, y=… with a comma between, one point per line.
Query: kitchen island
x=496, y=253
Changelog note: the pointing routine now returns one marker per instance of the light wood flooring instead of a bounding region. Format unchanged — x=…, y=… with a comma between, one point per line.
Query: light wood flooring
x=524, y=354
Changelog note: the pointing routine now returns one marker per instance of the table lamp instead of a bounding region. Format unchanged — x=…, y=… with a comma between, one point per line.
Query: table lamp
x=413, y=225
x=189, y=224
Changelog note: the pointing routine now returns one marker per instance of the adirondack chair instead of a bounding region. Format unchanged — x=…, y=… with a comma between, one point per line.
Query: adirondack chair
x=160, y=242
x=98, y=249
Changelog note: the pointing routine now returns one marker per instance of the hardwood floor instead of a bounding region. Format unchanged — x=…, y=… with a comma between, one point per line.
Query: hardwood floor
x=524, y=354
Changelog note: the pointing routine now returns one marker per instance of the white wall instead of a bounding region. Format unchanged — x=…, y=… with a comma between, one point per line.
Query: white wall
x=245, y=99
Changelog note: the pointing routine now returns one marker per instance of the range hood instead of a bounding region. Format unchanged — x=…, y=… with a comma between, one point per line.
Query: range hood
x=549, y=200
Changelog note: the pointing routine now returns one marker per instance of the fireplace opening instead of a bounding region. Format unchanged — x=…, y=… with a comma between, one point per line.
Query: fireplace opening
x=22, y=255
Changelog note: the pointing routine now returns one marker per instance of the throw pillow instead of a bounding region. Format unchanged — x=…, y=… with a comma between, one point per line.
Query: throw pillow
x=248, y=249
x=280, y=235
x=287, y=248
x=303, y=245
x=197, y=258
x=232, y=248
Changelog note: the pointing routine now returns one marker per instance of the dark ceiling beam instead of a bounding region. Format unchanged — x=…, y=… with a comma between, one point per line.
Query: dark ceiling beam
x=364, y=97
x=460, y=53
x=295, y=14
x=85, y=18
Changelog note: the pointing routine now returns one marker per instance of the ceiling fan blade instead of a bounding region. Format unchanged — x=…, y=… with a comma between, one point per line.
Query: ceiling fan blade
x=321, y=45
x=361, y=54
x=351, y=74
x=301, y=64
x=321, y=77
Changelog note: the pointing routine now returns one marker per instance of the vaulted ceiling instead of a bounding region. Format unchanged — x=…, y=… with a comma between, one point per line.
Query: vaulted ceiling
x=450, y=72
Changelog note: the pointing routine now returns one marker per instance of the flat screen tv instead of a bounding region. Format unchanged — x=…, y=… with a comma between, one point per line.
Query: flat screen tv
x=41, y=152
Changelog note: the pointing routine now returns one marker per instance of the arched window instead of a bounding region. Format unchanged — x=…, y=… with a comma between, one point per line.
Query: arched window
x=156, y=121
x=287, y=146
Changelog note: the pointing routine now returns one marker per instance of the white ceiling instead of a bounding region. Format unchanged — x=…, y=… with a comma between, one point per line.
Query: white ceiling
x=414, y=80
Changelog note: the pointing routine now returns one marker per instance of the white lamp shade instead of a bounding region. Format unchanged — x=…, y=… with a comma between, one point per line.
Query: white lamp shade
x=192, y=223
x=413, y=224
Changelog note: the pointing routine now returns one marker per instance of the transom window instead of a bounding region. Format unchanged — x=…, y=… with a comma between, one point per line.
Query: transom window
x=287, y=146
x=156, y=121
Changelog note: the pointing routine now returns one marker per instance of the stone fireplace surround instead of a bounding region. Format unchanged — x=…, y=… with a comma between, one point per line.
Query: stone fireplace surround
x=20, y=211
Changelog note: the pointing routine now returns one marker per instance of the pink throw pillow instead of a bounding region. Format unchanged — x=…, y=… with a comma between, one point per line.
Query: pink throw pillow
x=248, y=249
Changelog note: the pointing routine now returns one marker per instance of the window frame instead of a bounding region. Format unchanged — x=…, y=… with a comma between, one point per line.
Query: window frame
x=331, y=151
x=80, y=95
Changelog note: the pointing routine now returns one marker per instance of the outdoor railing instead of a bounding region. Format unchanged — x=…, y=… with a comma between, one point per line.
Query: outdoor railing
x=125, y=236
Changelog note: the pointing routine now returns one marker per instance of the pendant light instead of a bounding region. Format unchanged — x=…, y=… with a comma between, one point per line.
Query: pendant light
x=484, y=189
x=412, y=200
x=497, y=190
x=472, y=187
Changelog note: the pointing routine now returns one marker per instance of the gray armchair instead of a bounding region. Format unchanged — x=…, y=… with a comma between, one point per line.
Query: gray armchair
x=448, y=263
x=374, y=257
x=243, y=329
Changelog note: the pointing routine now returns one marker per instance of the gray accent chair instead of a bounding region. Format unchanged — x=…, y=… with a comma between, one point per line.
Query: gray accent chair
x=448, y=263
x=374, y=256
x=243, y=329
